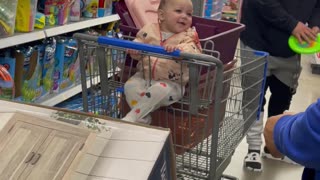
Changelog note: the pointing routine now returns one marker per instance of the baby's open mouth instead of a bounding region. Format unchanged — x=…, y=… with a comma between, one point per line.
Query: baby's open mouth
x=182, y=23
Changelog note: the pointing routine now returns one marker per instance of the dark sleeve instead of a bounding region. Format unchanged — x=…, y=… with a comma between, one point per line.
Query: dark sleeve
x=298, y=136
x=273, y=12
x=315, y=17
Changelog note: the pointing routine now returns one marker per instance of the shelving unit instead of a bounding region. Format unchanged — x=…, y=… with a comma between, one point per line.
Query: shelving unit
x=84, y=23
x=54, y=99
x=21, y=38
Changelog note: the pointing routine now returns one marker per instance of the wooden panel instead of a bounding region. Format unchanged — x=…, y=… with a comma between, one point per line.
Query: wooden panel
x=18, y=141
x=81, y=158
x=52, y=124
x=57, y=153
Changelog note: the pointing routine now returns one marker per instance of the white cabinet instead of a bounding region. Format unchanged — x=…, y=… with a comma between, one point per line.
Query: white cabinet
x=18, y=142
x=33, y=148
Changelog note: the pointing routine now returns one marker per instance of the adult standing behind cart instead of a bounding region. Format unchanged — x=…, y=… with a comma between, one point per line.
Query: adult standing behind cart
x=298, y=137
x=269, y=23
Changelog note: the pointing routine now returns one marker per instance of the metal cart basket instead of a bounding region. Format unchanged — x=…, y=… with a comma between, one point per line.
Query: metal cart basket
x=220, y=103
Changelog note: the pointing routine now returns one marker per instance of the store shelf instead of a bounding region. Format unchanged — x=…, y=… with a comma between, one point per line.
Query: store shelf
x=21, y=38
x=54, y=99
x=84, y=23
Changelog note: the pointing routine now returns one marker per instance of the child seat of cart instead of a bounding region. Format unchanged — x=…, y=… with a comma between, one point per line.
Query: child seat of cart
x=224, y=35
x=188, y=131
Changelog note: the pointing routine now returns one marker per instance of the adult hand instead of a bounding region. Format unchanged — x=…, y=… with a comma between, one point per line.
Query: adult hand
x=304, y=33
x=316, y=29
x=268, y=134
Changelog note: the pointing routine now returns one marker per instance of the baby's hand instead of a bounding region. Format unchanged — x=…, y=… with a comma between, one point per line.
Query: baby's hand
x=133, y=52
x=170, y=48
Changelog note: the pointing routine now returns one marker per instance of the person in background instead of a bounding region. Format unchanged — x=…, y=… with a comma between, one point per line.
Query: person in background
x=297, y=136
x=145, y=93
x=269, y=23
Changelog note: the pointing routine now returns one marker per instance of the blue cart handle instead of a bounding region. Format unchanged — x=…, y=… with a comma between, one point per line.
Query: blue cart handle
x=135, y=45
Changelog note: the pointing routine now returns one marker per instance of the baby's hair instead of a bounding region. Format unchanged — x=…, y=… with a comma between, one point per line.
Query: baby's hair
x=162, y=4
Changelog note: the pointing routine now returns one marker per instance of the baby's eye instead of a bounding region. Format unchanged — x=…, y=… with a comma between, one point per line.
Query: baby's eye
x=178, y=10
x=189, y=14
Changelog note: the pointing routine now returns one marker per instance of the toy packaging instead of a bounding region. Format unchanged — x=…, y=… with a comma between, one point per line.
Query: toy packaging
x=108, y=7
x=26, y=13
x=91, y=9
x=230, y=11
x=8, y=62
x=7, y=17
x=71, y=68
x=66, y=68
x=75, y=11
x=40, y=21
x=6, y=84
x=58, y=64
x=105, y=8
x=28, y=74
x=7, y=68
x=48, y=66
x=57, y=11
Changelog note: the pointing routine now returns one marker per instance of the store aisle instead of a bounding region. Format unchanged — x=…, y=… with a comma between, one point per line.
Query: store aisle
x=275, y=170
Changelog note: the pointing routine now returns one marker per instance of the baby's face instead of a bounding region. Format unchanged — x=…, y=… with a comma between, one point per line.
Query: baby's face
x=176, y=16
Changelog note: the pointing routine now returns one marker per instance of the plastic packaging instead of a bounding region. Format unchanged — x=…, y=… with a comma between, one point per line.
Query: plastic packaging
x=58, y=65
x=71, y=69
x=7, y=17
x=40, y=21
x=7, y=68
x=57, y=9
x=91, y=10
x=6, y=84
x=48, y=66
x=75, y=11
x=28, y=74
x=26, y=13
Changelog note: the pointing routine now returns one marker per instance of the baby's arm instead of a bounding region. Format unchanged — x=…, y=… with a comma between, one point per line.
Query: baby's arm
x=136, y=54
x=189, y=47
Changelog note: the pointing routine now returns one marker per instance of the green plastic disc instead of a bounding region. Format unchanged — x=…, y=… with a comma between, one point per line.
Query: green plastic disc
x=304, y=48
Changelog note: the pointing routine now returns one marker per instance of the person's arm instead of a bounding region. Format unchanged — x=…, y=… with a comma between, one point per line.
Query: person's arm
x=296, y=136
x=314, y=20
x=273, y=12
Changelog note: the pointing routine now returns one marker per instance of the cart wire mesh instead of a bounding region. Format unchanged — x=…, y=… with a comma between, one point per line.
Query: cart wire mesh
x=219, y=104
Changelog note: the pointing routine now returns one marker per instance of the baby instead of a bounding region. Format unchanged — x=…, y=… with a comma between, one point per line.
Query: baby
x=160, y=82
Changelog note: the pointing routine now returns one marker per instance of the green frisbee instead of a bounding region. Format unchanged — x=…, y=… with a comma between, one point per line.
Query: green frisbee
x=304, y=47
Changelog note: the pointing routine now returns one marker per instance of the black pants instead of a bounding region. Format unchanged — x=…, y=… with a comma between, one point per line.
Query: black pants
x=281, y=96
x=308, y=174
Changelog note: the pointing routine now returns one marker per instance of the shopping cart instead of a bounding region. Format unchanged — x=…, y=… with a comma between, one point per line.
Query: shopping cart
x=219, y=105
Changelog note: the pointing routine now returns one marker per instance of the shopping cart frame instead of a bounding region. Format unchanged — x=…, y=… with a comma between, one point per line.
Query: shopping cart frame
x=215, y=170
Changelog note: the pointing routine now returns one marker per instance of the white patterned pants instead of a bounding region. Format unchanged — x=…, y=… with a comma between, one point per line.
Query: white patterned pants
x=143, y=96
